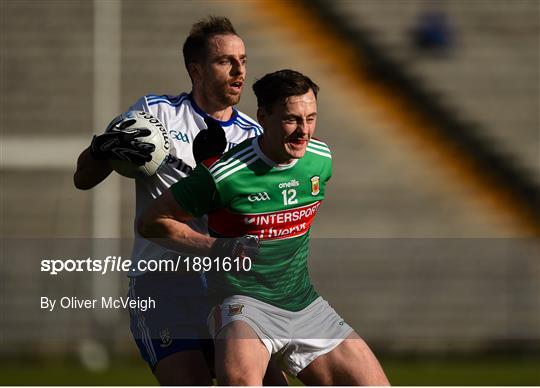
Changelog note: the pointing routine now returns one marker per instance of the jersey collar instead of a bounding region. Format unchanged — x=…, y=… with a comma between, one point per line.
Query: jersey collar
x=266, y=159
x=204, y=114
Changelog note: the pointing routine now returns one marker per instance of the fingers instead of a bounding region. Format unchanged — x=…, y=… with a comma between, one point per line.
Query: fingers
x=251, y=251
x=145, y=148
x=141, y=152
x=125, y=124
x=130, y=133
x=209, y=142
x=250, y=246
x=142, y=132
x=132, y=156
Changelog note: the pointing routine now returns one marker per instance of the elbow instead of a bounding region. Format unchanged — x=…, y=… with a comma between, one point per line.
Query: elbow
x=79, y=183
x=144, y=227
x=151, y=228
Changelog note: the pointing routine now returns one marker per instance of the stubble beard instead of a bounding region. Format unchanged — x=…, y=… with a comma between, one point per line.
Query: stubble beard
x=224, y=97
x=229, y=99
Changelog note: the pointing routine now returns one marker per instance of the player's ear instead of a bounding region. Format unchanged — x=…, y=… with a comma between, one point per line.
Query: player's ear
x=261, y=116
x=195, y=71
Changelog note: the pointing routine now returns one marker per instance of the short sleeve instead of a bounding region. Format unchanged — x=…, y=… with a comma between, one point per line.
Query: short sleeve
x=140, y=104
x=196, y=193
x=328, y=170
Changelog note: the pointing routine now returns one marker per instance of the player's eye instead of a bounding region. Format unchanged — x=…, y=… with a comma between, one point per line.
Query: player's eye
x=224, y=62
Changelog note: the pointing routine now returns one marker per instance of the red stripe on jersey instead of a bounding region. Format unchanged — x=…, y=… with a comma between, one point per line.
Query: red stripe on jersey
x=267, y=226
x=210, y=161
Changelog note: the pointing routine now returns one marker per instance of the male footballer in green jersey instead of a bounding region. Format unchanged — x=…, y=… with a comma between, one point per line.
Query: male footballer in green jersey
x=261, y=198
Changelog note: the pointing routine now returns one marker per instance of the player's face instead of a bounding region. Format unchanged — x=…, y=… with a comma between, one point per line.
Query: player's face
x=290, y=126
x=223, y=72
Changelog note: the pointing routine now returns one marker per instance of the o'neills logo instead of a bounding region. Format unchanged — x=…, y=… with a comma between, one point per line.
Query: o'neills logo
x=291, y=183
x=267, y=226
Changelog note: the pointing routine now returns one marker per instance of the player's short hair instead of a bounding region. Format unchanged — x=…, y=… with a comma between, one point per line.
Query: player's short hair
x=196, y=43
x=277, y=86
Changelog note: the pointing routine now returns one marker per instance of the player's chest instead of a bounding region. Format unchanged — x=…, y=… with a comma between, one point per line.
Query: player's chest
x=275, y=193
x=270, y=207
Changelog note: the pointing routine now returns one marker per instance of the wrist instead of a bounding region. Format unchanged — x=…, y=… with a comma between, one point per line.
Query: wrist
x=94, y=152
x=242, y=246
x=218, y=247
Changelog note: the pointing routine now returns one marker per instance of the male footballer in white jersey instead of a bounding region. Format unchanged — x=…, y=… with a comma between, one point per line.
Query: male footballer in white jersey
x=261, y=198
x=172, y=338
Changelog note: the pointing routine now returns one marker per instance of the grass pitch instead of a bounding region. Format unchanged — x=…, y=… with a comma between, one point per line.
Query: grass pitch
x=493, y=371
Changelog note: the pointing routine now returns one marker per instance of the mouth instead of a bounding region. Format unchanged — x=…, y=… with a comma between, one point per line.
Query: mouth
x=298, y=143
x=237, y=85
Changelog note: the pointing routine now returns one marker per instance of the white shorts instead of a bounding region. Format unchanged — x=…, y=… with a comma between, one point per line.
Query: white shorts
x=296, y=337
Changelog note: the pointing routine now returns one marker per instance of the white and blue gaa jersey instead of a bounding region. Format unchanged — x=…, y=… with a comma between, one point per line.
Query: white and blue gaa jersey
x=183, y=120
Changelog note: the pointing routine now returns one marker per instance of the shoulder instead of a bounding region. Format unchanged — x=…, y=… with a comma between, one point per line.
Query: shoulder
x=243, y=121
x=319, y=160
x=319, y=148
x=164, y=99
x=231, y=161
x=153, y=103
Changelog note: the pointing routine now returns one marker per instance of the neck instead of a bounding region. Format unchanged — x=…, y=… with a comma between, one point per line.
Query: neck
x=271, y=153
x=213, y=109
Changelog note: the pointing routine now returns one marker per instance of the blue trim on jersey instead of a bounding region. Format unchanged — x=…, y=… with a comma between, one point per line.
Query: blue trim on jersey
x=170, y=102
x=244, y=123
x=151, y=97
x=245, y=127
x=248, y=127
x=155, y=96
x=203, y=114
x=258, y=130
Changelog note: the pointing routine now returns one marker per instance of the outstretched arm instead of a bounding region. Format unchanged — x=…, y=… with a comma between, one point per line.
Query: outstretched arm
x=120, y=141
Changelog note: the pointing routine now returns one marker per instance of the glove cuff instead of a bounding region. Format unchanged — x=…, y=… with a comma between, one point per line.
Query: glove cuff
x=219, y=247
x=96, y=154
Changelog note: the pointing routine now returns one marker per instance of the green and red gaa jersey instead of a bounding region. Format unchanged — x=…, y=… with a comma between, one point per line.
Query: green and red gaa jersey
x=244, y=192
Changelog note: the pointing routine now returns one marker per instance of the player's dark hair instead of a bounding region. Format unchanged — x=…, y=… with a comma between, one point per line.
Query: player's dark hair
x=195, y=46
x=277, y=86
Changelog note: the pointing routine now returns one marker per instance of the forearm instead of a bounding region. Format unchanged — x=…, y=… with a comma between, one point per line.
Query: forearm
x=90, y=172
x=175, y=235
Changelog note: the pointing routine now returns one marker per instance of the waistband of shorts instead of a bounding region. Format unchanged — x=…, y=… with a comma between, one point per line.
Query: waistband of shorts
x=306, y=309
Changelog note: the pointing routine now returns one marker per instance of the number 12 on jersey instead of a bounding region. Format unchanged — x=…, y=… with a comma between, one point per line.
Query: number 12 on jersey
x=289, y=197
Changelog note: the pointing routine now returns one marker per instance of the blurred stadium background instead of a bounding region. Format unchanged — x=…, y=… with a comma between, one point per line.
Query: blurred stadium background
x=428, y=243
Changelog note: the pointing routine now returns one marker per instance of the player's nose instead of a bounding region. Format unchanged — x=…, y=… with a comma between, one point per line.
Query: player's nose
x=302, y=127
x=238, y=69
